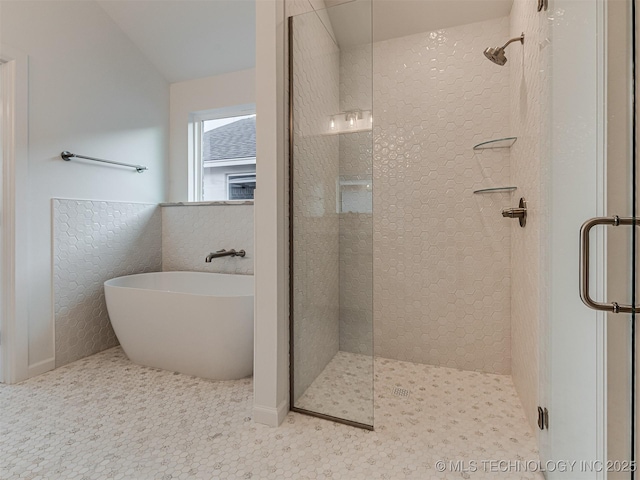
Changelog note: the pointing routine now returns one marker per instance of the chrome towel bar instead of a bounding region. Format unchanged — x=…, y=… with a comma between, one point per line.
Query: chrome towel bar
x=68, y=156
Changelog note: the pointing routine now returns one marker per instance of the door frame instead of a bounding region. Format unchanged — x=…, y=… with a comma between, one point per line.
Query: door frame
x=14, y=214
x=573, y=337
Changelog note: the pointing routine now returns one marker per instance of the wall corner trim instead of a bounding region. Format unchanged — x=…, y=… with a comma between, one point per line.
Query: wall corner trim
x=14, y=313
x=272, y=417
x=42, y=367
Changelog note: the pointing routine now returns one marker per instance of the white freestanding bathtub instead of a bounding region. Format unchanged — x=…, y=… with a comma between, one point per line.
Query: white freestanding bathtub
x=189, y=322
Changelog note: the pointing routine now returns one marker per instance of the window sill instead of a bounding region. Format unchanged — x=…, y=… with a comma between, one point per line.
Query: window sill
x=202, y=204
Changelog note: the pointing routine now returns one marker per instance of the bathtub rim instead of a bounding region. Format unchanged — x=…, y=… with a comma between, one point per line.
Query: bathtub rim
x=108, y=283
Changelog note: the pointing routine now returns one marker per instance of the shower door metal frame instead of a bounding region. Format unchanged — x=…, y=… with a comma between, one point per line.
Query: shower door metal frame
x=292, y=406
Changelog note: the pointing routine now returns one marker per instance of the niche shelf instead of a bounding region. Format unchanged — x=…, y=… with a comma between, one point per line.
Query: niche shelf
x=355, y=194
x=495, y=190
x=506, y=142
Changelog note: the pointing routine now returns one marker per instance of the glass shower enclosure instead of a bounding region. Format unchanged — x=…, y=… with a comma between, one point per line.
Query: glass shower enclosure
x=331, y=210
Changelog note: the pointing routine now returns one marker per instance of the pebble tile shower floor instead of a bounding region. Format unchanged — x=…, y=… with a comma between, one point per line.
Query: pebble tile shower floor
x=343, y=389
x=105, y=418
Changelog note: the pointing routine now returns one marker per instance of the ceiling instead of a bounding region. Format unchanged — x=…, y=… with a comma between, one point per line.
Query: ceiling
x=351, y=20
x=189, y=39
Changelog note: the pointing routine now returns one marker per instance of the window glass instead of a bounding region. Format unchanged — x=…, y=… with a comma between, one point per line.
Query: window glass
x=228, y=158
x=241, y=187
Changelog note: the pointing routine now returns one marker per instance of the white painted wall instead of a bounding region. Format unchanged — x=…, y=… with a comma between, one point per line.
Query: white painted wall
x=219, y=92
x=91, y=92
x=271, y=353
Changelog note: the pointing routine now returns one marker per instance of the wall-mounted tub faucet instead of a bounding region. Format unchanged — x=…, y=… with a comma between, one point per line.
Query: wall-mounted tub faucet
x=225, y=253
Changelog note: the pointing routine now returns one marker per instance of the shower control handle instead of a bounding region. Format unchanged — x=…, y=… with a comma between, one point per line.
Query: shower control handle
x=519, y=212
x=514, y=212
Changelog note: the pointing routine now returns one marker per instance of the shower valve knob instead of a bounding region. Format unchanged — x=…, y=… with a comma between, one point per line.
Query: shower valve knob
x=514, y=212
x=520, y=212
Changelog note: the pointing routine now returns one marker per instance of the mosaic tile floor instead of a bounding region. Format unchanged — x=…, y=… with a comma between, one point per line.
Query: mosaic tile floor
x=344, y=389
x=105, y=418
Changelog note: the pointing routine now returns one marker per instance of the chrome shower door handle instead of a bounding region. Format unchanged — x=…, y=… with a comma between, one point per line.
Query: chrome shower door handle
x=615, y=221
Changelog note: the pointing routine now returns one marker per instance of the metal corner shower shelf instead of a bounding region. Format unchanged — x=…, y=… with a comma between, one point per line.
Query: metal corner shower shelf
x=495, y=190
x=67, y=156
x=506, y=142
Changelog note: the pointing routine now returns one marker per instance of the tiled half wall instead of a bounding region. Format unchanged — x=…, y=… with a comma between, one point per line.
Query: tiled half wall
x=94, y=241
x=190, y=232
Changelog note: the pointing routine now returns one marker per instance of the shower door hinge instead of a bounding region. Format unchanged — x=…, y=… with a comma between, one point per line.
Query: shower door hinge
x=543, y=418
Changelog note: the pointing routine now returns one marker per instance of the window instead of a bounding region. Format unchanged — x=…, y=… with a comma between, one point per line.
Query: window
x=241, y=187
x=225, y=155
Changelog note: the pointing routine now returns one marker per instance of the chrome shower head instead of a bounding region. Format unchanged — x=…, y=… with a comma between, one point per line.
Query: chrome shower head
x=496, y=54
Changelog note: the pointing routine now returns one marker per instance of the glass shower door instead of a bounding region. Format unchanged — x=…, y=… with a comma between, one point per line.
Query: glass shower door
x=331, y=265
x=588, y=354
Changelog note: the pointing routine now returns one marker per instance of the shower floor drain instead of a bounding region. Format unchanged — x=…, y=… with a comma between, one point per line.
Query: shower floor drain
x=400, y=392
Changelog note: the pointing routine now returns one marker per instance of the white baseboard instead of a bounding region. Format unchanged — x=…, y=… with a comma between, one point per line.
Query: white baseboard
x=42, y=367
x=270, y=416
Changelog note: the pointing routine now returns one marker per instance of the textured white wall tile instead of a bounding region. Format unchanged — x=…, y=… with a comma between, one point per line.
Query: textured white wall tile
x=441, y=270
x=315, y=219
x=356, y=229
x=93, y=242
x=356, y=283
x=529, y=94
x=190, y=233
